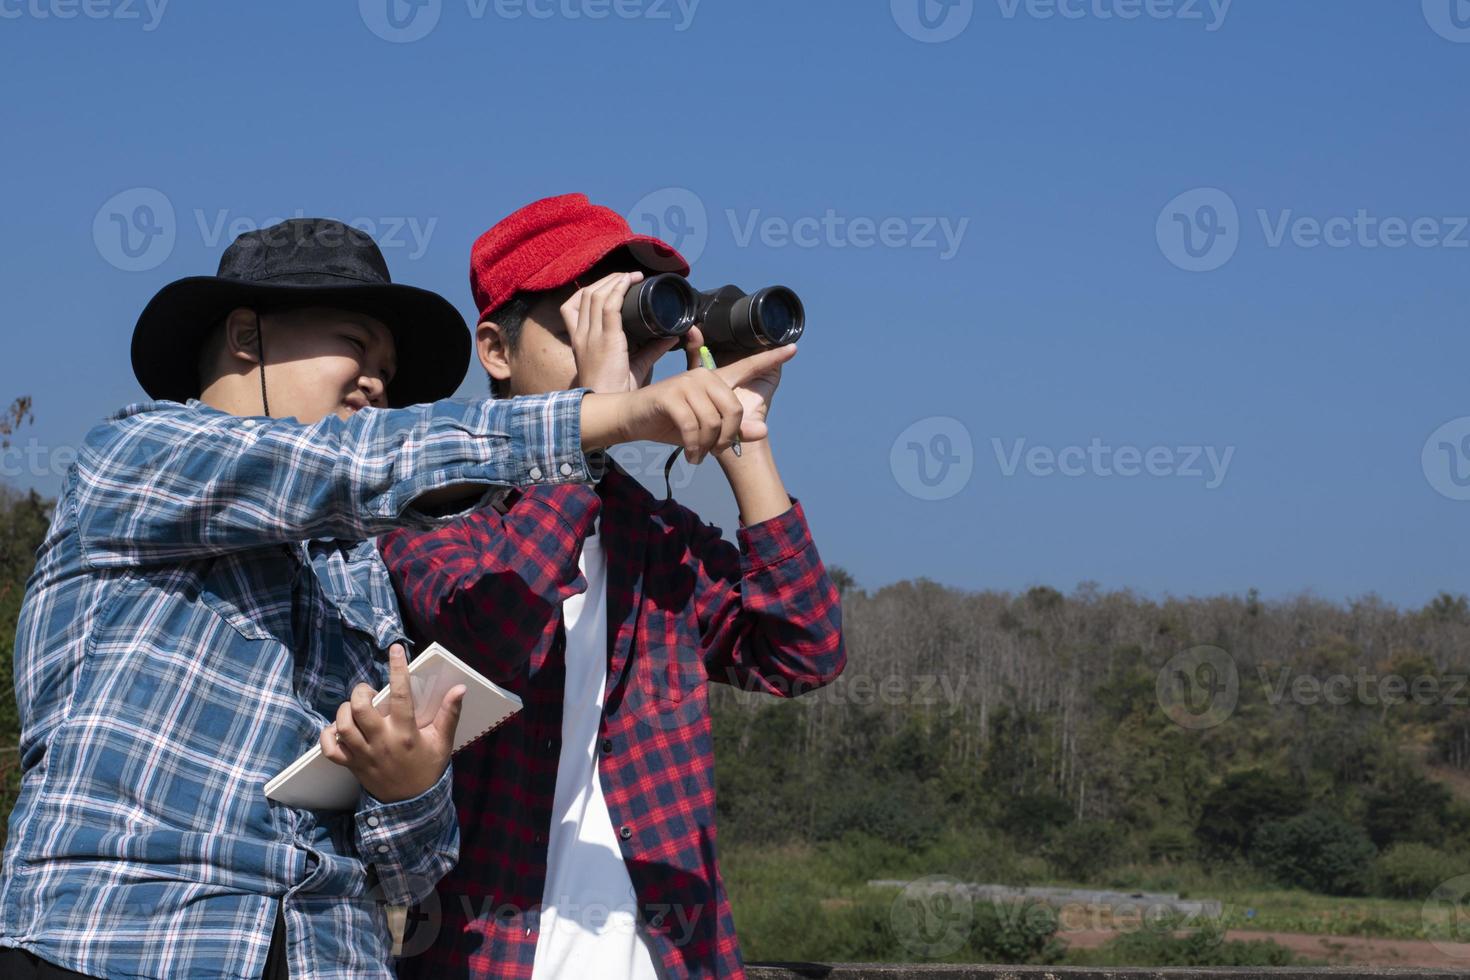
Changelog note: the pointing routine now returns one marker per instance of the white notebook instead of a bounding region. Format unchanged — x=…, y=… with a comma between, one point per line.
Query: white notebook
x=314, y=782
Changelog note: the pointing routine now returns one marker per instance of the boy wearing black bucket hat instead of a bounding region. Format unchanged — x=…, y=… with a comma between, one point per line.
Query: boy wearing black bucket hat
x=209, y=597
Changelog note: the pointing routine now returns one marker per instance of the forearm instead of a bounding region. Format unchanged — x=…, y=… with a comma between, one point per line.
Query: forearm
x=174, y=486
x=603, y=420
x=756, y=482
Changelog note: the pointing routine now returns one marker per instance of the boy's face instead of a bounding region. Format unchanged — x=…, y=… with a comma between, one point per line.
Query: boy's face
x=322, y=362
x=541, y=360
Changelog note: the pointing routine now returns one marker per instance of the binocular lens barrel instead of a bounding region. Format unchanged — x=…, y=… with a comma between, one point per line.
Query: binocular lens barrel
x=661, y=306
x=770, y=317
x=667, y=305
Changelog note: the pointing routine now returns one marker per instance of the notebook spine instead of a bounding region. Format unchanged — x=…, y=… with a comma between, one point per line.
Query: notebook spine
x=483, y=732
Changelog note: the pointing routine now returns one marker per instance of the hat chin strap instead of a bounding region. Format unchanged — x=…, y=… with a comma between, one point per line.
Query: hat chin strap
x=260, y=352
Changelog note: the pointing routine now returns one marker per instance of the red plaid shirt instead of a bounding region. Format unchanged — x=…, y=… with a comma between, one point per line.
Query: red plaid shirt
x=684, y=606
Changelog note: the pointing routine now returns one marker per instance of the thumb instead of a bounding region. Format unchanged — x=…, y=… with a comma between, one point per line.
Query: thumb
x=693, y=341
x=738, y=372
x=446, y=720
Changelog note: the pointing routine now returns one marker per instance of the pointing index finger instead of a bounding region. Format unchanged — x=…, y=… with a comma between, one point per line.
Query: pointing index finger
x=400, y=690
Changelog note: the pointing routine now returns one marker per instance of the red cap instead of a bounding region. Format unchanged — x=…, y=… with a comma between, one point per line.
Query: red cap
x=553, y=241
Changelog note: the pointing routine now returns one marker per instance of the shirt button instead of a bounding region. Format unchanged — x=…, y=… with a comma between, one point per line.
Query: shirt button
x=566, y=469
x=372, y=821
x=626, y=832
x=382, y=848
x=606, y=746
x=248, y=423
x=535, y=473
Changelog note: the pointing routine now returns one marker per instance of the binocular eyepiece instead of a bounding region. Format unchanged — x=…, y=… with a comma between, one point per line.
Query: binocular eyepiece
x=667, y=305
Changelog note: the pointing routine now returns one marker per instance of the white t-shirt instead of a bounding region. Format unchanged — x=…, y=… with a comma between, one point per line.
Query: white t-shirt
x=589, y=918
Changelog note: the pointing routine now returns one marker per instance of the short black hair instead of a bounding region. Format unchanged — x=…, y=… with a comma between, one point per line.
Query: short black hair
x=511, y=315
x=510, y=318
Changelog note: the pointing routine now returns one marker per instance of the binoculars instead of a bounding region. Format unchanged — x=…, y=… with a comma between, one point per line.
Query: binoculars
x=667, y=305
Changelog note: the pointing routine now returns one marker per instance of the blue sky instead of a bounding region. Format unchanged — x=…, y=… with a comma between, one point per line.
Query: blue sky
x=1164, y=294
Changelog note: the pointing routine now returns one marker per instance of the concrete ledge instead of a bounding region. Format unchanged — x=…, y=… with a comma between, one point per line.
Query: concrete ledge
x=902, y=971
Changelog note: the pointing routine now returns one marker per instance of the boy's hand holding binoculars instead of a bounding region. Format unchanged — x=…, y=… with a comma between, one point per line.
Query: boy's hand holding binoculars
x=700, y=411
x=593, y=316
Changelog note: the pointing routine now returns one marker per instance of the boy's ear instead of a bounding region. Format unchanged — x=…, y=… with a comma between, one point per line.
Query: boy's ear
x=494, y=353
x=242, y=335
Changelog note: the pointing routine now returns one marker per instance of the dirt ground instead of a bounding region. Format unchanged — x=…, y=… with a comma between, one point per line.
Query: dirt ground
x=1335, y=950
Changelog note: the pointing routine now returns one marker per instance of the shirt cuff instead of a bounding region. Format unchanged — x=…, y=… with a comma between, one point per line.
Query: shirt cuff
x=550, y=429
x=773, y=541
x=380, y=825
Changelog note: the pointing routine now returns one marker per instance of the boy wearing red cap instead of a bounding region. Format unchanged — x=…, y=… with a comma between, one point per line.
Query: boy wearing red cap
x=588, y=820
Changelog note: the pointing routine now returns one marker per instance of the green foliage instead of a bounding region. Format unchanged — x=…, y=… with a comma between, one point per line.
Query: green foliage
x=1032, y=817
x=24, y=519
x=1236, y=809
x=1412, y=870
x=1317, y=850
x=1204, y=946
x=1406, y=807
x=1083, y=851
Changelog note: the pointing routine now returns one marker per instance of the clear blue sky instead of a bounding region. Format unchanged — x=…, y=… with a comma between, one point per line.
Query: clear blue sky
x=1057, y=313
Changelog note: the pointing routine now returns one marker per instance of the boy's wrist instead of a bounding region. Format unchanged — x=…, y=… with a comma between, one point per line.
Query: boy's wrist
x=755, y=481
x=604, y=420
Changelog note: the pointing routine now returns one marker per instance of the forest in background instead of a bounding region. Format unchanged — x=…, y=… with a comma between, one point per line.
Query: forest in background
x=1095, y=738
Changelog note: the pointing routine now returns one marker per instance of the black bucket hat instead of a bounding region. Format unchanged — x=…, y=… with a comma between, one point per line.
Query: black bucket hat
x=302, y=262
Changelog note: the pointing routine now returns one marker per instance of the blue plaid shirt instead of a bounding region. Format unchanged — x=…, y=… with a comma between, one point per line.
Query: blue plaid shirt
x=207, y=596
